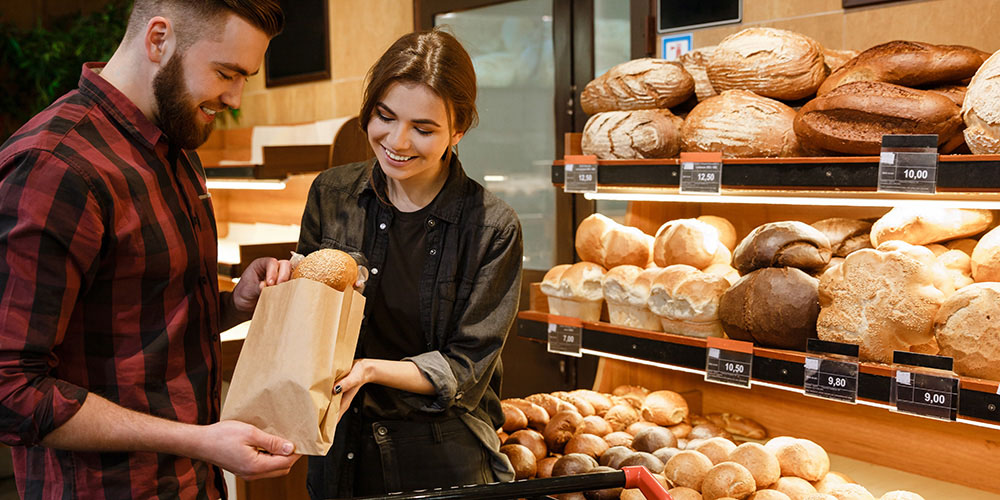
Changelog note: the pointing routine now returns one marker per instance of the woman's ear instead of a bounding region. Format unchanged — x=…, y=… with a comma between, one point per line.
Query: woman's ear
x=159, y=39
x=456, y=137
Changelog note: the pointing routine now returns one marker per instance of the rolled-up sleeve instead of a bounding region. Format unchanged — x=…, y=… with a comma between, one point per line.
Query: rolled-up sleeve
x=50, y=240
x=460, y=370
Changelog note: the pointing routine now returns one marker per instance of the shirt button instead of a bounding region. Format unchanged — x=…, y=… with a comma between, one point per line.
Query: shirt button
x=350, y=456
x=434, y=251
x=431, y=222
x=374, y=270
x=355, y=410
x=381, y=431
x=382, y=226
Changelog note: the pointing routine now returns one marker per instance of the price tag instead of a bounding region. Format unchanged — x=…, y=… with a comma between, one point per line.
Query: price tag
x=908, y=164
x=926, y=393
x=834, y=376
x=701, y=173
x=729, y=362
x=566, y=339
x=580, y=174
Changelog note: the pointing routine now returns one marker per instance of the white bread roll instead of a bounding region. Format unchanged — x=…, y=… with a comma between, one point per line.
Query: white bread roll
x=687, y=469
x=918, y=226
x=882, y=300
x=801, y=458
x=759, y=461
x=770, y=62
x=769, y=495
x=741, y=124
x=958, y=267
x=687, y=301
x=688, y=241
x=981, y=109
x=727, y=232
x=632, y=135
x=901, y=495
x=986, y=257
x=851, y=492
x=590, y=237
x=830, y=481
x=795, y=487
x=967, y=328
x=695, y=62
x=647, y=83
x=626, y=289
x=626, y=245
x=575, y=291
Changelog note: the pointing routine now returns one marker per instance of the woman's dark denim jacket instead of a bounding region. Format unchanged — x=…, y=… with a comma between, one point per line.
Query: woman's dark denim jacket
x=469, y=287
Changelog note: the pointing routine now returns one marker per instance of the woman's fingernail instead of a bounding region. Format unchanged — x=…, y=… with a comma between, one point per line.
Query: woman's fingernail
x=337, y=389
x=287, y=448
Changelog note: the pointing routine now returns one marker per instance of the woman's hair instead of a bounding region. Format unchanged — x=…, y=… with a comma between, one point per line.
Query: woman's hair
x=436, y=59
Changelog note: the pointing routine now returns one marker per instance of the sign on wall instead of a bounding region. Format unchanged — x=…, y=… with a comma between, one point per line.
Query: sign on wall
x=676, y=15
x=675, y=46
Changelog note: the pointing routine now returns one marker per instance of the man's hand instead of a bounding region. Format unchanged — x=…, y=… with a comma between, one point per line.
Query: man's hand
x=262, y=272
x=247, y=451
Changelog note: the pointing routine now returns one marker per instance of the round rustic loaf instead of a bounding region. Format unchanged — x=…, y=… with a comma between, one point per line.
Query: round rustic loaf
x=632, y=135
x=740, y=124
x=329, y=266
x=769, y=62
x=986, y=257
x=981, y=109
x=782, y=244
x=647, y=83
x=773, y=306
x=695, y=62
x=967, y=329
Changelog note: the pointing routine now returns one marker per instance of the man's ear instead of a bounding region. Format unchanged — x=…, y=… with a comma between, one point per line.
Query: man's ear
x=159, y=39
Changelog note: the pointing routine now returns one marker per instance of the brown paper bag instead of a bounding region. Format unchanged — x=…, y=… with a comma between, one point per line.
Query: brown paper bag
x=301, y=340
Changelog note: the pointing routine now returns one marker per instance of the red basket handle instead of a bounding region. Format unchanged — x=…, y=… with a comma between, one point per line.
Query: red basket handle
x=637, y=476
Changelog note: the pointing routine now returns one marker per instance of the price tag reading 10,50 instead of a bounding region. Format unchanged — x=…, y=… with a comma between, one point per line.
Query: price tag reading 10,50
x=729, y=362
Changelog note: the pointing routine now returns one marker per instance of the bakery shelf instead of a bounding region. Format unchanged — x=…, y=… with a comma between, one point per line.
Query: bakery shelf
x=979, y=400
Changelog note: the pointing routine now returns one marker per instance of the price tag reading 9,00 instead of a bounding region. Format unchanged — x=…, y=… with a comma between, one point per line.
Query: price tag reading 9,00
x=926, y=395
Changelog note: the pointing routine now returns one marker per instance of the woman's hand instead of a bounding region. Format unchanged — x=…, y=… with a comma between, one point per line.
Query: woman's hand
x=349, y=384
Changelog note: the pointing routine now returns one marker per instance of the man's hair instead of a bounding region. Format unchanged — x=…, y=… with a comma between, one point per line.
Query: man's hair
x=195, y=19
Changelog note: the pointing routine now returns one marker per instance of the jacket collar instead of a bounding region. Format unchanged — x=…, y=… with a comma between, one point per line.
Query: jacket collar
x=446, y=206
x=117, y=105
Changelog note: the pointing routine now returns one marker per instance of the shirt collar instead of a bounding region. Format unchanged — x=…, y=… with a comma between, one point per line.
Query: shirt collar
x=117, y=105
x=447, y=205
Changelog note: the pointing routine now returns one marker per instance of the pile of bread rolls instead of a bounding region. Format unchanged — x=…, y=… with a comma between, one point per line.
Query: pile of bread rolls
x=912, y=280
x=707, y=457
x=767, y=92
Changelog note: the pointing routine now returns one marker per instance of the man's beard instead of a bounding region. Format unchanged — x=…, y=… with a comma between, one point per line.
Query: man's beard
x=176, y=114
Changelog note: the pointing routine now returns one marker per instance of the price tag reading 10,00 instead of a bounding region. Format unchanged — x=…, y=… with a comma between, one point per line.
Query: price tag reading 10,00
x=729, y=362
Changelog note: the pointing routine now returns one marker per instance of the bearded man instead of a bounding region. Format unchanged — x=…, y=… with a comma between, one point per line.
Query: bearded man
x=110, y=311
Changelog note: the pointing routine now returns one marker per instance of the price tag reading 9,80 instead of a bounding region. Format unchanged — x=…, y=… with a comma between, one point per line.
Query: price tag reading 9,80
x=831, y=379
x=729, y=362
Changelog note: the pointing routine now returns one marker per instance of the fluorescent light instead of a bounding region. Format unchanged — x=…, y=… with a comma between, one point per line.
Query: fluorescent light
x=963, y=200
x=258, y=184
x=494, y=178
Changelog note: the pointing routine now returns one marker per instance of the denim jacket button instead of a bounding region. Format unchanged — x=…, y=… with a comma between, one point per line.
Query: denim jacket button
x=381, y=431
x=434, y=251
x=431, y=222
x=374, y=270
x=382, y=226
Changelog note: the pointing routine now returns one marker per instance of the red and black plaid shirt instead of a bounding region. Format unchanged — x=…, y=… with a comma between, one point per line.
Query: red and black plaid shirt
x=107, y=285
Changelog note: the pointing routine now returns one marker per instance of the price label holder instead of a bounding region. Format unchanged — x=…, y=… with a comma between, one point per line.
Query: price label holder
x=831, y=371
x=908, y=164
x=729, y=362
x=580, y=174
x=566, y=337
x=701, y=173
x=925, y=385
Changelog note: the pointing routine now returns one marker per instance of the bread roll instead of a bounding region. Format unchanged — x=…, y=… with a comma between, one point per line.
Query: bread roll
x=901, y=495
x=545, y=466
x=621, y=416
x=626, y=246
x=590, y=233
x=909, y=64
x=632, y=135
x=573, y=463
x=587, y=444
x=682, y=493
x=648, y=83
x=830, y=481
x=761, y=463
x=687, y=301
x=727, y=232
x=695, y=62
x=986, y=257
x=967, y=329
x=981, y=109
x=851, y=492
x=802, y=458
x=530, y=439
x=958, y=266
x=852, y=118
x=687, y=469
x=626, y=289
x=834, y=58
x=537, y=417
x=575, y=291
x=614, y=455
x=690, y=242
x=741, y=124
x=845, y=235
x=881, y=300
x=560, y=430
x=549, y=403
x=769, y=62
x=594, y=425
x=523, y=460
x=795, y=487
x=738, y=425
x=782, y=244
x=774, y=307
x=653, y=438
x=640, y=426
x=769, y=495
x=664, y=408
x=918, y=226
x=717, y=449
x=707, y=430
x=727, y=480
x=513, y=418
x=600, y=402
x=619, y=439
x=644, y=459
x=331, y=267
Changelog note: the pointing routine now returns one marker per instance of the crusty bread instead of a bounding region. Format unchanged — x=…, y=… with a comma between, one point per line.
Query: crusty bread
x=770, y=62
x=664, y=408
x=845, y=235
x=647, y=83
x=687, y=301
x=986, y=257
x=575, y=290
x=688, y=241
x=626, y=245
x=334, y=268
x=632, y=135
x=800, y=458
x=957, y=266
x=834, y=58
x=852, y=118
x=920, y=226
x=626, y=289
x=967, y=329
x=981, y=109
x=954, y=92
x=590, y=233
x=727, y=232
x=784, y=243
x=696, y=64
x=909, y=64
x=740, y=124
x=762, y=463
x=772, y=306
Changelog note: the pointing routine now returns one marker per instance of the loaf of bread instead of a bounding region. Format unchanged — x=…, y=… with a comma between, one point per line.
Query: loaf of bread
x=957, y=266
x=727, y=232
x=845, y=235
x=909, y=64
x=626, y=289
x=773, y=307
x=882, y=300
x=800, y=457
x=986, y=257
x=920, y=226
x=740, y=124
x=981, y=109
x=954, y=92
x=967, y=330
x=834, y=58
x=603, y=241
x=689, y=241
x=575, y=290
x=590, y=234
x=647, y=83
x=769, y=62
x=695, y=62
x=632, y=135
x=780, y=244
x=966, y=245
x=852, y=118
x=687, y=301
x=333, y=268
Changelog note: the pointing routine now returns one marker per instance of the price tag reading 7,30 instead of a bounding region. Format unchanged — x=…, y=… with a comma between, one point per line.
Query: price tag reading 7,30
x=701, y=173
x=566, y=339
x=580, y=174
x=729, y=362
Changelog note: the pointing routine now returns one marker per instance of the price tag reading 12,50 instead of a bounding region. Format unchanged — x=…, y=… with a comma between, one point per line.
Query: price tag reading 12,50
x=580, y=174
x=566, y=339
x=729, y=362
x=701, y=173
x=908, y=164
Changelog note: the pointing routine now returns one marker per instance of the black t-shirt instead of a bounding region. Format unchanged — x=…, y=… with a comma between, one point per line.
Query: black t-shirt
x=394, y=327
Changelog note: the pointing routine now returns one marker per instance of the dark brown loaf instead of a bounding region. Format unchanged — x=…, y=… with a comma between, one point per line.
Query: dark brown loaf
x=653, y=438
x=780, y=244
x=560, y=430
x=908, y=63
x=588, y=444
x=774, y=307
x=647, y=83
x=632, y=135
x=770, y=62
x=524, y=462
x=845, y=235
x=852, y=118
x=573, y=463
